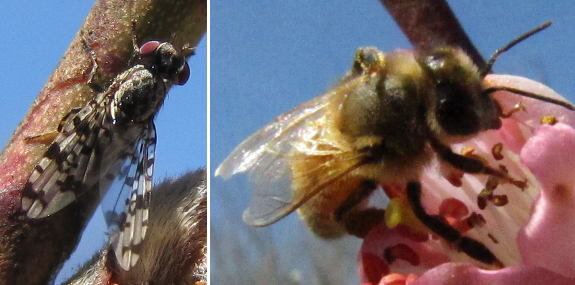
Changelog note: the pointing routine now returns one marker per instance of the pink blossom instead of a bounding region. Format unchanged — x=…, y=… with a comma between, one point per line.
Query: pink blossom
x=529, y=229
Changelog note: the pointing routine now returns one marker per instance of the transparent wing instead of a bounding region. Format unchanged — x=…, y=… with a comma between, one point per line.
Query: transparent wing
x=309, y=172
x=137, y=175
x=67, y=166
x=299, y=137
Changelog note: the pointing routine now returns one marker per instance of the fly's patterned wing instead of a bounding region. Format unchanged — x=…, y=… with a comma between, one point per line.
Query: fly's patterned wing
x=64, y=170
x=112, y=137
x=133, y=222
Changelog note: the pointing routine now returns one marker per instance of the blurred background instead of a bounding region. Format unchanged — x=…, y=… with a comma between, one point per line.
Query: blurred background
x=36, y=36
x=267, y=59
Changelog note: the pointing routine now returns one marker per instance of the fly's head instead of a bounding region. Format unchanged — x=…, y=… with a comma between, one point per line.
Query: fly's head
x=143, y=87
x=163, y=59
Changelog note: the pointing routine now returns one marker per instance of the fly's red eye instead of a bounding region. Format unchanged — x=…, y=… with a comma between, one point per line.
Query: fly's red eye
x=149, y=48
x=183, y=75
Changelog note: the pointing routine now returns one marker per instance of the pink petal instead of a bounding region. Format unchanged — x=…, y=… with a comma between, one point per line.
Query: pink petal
x=457, y=273
x=547, y=240
x=381, y=238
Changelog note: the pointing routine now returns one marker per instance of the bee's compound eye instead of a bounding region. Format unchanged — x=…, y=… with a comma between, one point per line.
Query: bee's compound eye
x=149, y=48
x=183, y=75
x=456, y=110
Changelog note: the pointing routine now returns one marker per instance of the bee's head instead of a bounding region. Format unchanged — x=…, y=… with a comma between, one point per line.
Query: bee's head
x=461, y=107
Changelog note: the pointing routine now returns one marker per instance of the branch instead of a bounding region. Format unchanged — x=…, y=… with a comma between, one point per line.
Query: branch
x=431, y=23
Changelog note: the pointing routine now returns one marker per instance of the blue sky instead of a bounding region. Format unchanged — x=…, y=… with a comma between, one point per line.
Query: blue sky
x=267, y=59
x=36, y=36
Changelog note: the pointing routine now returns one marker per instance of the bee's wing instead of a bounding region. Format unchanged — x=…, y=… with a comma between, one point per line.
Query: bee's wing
x=275, y=138
x=271, y=201
x=267, y=156
x=65, y=168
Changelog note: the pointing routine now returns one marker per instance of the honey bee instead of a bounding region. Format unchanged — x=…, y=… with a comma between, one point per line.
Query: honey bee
x=381, y=124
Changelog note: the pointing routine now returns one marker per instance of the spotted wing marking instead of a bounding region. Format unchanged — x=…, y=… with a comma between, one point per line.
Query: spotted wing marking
x=133, y=223
x=65, y=168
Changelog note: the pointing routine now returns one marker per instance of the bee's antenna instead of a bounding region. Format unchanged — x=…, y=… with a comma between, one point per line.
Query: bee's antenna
x=515, y=90
x=530, y=95
x=494, y=57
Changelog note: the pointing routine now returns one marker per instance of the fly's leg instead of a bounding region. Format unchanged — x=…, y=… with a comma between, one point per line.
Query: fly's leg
x=48, y=138
x=93, y=72
x=358, y=222
x=45, y=138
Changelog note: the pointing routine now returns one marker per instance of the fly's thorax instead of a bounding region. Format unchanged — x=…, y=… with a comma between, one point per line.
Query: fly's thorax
x=459, y=108
x=138, y=96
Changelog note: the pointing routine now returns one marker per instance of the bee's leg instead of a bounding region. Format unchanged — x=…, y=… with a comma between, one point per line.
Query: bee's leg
x=471, y=247
x=467, y=164
x=359, y=222
x=471, y=165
